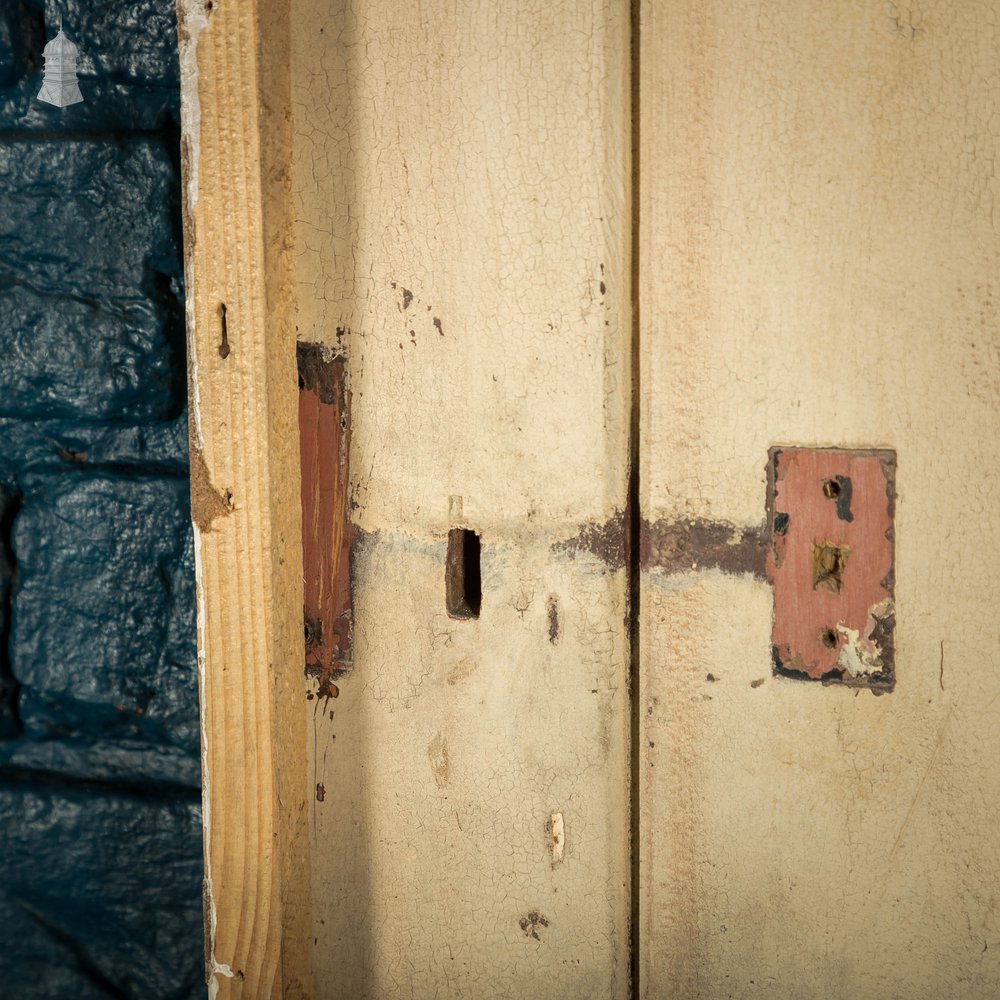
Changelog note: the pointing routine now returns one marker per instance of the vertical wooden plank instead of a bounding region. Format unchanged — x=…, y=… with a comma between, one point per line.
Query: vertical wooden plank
x=818, y=268
x=461, y=190
x=245, y=496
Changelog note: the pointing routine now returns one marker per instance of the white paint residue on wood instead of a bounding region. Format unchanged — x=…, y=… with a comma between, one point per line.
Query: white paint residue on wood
x=558, y=836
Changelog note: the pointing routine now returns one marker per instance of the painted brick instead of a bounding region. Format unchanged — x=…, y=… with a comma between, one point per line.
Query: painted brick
x=158, y=447
x=93, y=916
x=90, y=221
x=9, y=726
x=102, y=847
x=103, y=618
x=8, y=62
x=22, y=38
x=118, y=360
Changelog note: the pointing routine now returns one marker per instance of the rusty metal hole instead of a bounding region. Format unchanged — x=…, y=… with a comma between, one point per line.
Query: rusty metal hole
x=829, y=638
x=831, y=489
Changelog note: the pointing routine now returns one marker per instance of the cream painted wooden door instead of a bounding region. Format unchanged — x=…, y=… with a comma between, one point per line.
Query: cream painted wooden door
x=808, y=236
x=462, y=239
x=818, y=267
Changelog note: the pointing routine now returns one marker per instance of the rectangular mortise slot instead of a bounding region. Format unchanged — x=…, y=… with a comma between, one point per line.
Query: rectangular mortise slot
x=463, y=588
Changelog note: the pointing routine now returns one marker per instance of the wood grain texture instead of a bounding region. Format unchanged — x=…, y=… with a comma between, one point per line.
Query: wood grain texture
x=245, y=498
x=818, y=268
x=327, y=532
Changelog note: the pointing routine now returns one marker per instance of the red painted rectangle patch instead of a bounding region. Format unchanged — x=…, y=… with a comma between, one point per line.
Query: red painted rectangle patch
x=831, y=563
x=327, y=533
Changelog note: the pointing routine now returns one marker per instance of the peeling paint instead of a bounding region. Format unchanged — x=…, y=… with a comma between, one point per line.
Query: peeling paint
x=861, y=654
x=437, y=754
x=558, y=834
x=191, y=21
x=531, y=922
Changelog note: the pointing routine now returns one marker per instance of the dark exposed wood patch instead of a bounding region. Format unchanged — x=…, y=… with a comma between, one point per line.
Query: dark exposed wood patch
x=327, y=532
x=606, y=541
x=552, y=609
x=678, y=546
x=321, y=371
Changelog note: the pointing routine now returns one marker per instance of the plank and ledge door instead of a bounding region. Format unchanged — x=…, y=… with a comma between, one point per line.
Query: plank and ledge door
x=817, y=262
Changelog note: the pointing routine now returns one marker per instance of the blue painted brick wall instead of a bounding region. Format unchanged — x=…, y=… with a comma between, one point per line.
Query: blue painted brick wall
x=100, y=836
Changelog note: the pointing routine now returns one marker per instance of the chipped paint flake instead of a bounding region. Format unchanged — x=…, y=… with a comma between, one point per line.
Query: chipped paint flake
x=558, y=837
x=860, y=655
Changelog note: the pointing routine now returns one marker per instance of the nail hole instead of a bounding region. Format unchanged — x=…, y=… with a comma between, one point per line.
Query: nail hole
x=831, y=489
x=829, y=638
x=224, y=343
x=463, y=577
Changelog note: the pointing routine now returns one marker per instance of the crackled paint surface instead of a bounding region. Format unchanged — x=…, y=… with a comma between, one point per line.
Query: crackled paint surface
x=460, y=184
x=819, y=267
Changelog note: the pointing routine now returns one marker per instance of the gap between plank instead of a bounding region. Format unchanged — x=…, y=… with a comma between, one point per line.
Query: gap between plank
x=634, y=517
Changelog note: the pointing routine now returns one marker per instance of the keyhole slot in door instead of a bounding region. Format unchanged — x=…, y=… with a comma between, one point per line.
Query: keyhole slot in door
x=463, y=574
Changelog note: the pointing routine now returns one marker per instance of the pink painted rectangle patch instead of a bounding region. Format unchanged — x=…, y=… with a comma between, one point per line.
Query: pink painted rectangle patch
x=831, y=563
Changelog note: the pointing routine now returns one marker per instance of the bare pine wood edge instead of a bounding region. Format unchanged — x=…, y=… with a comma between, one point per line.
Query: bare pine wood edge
x=245, y=503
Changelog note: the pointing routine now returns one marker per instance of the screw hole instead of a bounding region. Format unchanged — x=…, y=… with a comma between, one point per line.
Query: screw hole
x=831, y=489
x=829, y=638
